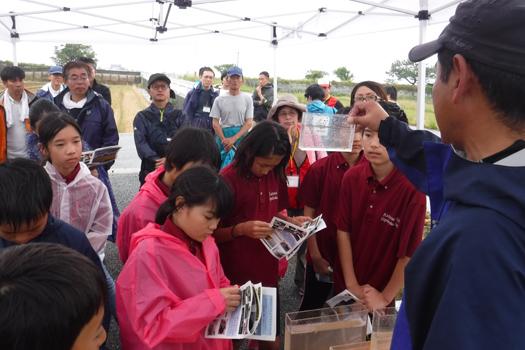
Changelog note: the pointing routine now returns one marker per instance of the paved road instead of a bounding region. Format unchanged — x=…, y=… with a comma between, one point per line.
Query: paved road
x=124, y=178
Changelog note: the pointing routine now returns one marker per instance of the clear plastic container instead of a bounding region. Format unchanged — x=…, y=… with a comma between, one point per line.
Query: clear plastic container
x=383, y=322
x=320, y=329
x=324, y=132
x=356, y=346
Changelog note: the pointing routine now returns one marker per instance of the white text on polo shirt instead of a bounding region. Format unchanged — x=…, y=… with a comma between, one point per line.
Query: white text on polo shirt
x=389, y=219
x=273, y=196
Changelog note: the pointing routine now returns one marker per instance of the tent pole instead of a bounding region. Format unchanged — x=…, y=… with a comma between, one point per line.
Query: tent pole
x=421, y=80
x=15, y=59
x=274, y=74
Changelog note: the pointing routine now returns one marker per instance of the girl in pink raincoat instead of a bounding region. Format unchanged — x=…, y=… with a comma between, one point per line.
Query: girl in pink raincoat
x=173, y=285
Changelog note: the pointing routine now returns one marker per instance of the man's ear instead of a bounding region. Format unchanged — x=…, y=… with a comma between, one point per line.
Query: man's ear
x=463, y=78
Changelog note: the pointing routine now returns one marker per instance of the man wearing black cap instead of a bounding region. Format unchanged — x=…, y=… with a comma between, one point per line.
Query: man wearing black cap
x=465, y=285
x=154, y=126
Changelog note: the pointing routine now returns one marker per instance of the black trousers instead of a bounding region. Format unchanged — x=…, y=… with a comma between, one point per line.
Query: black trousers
x=315, y=293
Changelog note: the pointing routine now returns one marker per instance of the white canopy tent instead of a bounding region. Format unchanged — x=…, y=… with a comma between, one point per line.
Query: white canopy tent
x=271, y=23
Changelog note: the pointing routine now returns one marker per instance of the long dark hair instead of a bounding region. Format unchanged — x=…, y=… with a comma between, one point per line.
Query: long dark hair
x=52, y=124
x=266, y=139
x=197, y=186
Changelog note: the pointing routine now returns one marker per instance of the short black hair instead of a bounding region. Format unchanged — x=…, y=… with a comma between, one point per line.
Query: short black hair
x=26, y=192
x=505, y=91
x=48, y=293
x=12, y=73
x=87, y=60
x=267, y=138
x=39, y=109
x=76, y=64
x=372, y=85
x=224, y=74
x=192, y=145
x=391, y=91
x=265, y=73
x=52, y=124
x=315, y=92
x=205, y=69
x=197, y=186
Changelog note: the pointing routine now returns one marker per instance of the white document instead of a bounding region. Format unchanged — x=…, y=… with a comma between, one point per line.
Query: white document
x=99, y=156
x=254, y=318
x=325, y=132
x=345, y=295
x=287, y=238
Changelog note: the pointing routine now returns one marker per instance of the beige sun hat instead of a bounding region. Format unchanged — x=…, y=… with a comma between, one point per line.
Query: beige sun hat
x=288, y=101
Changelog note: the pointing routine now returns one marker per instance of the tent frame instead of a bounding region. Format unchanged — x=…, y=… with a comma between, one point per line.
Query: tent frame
x=422, y=15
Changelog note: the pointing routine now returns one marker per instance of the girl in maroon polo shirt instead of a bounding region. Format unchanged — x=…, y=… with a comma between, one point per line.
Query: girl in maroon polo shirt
x=380, y=221
x=258, y=180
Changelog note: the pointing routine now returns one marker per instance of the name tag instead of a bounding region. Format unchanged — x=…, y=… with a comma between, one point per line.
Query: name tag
x=206, y=109
x=293, y=181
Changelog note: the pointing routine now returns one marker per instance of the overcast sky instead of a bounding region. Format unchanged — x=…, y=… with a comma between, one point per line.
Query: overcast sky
x=366, y=45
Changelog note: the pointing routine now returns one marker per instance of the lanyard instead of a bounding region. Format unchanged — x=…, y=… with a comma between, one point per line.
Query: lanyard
x=294, y=149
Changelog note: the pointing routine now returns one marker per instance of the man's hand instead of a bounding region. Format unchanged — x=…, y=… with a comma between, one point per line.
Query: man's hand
x=254, y=229
x=232, y=297
x=228, y=143
x=373, y=299
x=368, y=114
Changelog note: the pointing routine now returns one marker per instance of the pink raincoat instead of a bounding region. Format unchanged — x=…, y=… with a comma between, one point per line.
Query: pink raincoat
x=140, y=212
x=166, y=296
x=84, y=204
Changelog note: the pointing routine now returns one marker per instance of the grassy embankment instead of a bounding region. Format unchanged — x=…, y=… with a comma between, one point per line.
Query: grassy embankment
x=127, y=100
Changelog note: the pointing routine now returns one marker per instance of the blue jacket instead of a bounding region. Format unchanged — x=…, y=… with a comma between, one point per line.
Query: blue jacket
x=59, y=232
x=318, y=106
x=96, y=120
x=191, y=103
x=465, y=284
x=151, y=134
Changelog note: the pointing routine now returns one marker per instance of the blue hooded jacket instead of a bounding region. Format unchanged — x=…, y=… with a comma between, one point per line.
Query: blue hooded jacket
x=96, y=120
x=465, y=284
x=318, y=106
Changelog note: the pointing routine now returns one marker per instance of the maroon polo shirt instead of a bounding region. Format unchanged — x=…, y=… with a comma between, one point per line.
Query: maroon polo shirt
x=320, y=190
x=384, y=219
x=256, y=198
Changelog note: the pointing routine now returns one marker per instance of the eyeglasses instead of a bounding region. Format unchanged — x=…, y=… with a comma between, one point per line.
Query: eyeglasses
x=78, y=78
x=159, y=87
x=292, y=113
x=367, y=98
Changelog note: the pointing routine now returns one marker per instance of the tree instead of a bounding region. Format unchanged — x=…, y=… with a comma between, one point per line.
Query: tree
x=223, y=67
x=70, y=52
x=406, y=70
x=313, y=74
x=344, y=74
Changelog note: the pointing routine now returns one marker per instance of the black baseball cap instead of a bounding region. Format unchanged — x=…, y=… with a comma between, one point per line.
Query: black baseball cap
x=491, y=32
x=158, y=76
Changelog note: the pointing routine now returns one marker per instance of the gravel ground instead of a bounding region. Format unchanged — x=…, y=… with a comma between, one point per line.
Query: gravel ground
x=125, y=186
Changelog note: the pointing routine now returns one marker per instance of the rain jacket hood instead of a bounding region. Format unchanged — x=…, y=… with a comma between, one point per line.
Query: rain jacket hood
x=140, y=212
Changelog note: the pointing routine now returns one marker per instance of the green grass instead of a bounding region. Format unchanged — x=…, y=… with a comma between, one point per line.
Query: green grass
x=409, y=106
